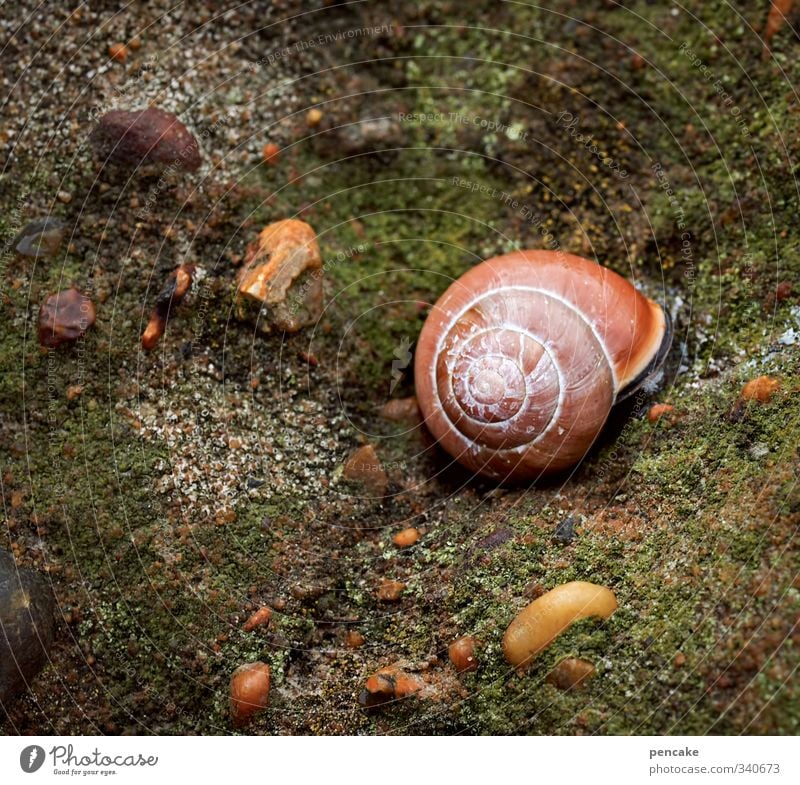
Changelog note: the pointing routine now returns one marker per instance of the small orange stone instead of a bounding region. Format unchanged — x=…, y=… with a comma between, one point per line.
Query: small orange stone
x=390, y=591
x=658, y=410
x=679, y=660
x=270, y=152
x=118, y=52
x=462, y=654
x=392, y=682
x=249, y=691
x=406, y=537
x=354, y=639
x=760, y=389
x=313, y=118
x=261, y=618
x=74, y=391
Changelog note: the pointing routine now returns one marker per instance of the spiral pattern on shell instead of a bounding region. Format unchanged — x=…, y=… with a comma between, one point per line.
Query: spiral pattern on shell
x=522, y=358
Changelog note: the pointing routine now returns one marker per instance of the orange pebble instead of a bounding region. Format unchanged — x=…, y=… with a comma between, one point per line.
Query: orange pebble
x=118, y=52
x=760, y=389
x=406, y=537
x=658, y=410
x=270, y=152
x=249, y=691
x=354, y=639
x=390, y=591
x=462, y=654
x=313, y=118
x=261, y=618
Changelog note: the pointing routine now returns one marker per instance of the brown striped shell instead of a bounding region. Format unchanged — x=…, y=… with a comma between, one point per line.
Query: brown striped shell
x=521, y=359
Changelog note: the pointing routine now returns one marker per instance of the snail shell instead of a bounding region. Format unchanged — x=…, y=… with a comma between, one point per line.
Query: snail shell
x=521, y=359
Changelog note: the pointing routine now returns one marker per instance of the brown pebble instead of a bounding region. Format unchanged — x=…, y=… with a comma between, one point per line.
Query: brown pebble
x=679, y=660
x=261, y=618
x=760, y=389
x=405, y=410
x=638, y=62
x=390, y=591
x=407, y=537
x=64, y=317
x=783, y=291
x=270, y=152
x=73, y=391
x=365, y=467
x=658, y=410
x=313, y=118
x=354, y=639
x=249, y=691
x=147, y=138
x=462, y=654
x=118, y=52
x=571, y=674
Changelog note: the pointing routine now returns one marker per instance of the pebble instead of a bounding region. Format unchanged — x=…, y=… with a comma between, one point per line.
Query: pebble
x=283, y=273
x=74, y=391
x=118, y=52
x=365, y=467
x=354, y=639
x=407, y=537
x=390, y=683
x=390, y=591
x=65, y=197
x=658, y=410
x=760, y=389
x=565, y=531
x=270, y=153
x=41, y=237
x=679, y=660
x=249, y=691
x=146, y=138
x=64, y=317
x=27, y=622
x=261, y=618
x=462, y=654
x=405, y=410
x=313, y=118
x=571, y=674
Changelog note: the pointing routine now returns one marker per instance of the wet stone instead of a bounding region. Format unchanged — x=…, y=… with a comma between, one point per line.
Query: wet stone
x=565, y=531
x=41, y=237
x=147, y=138
x=283, y=274
x=64, y=317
